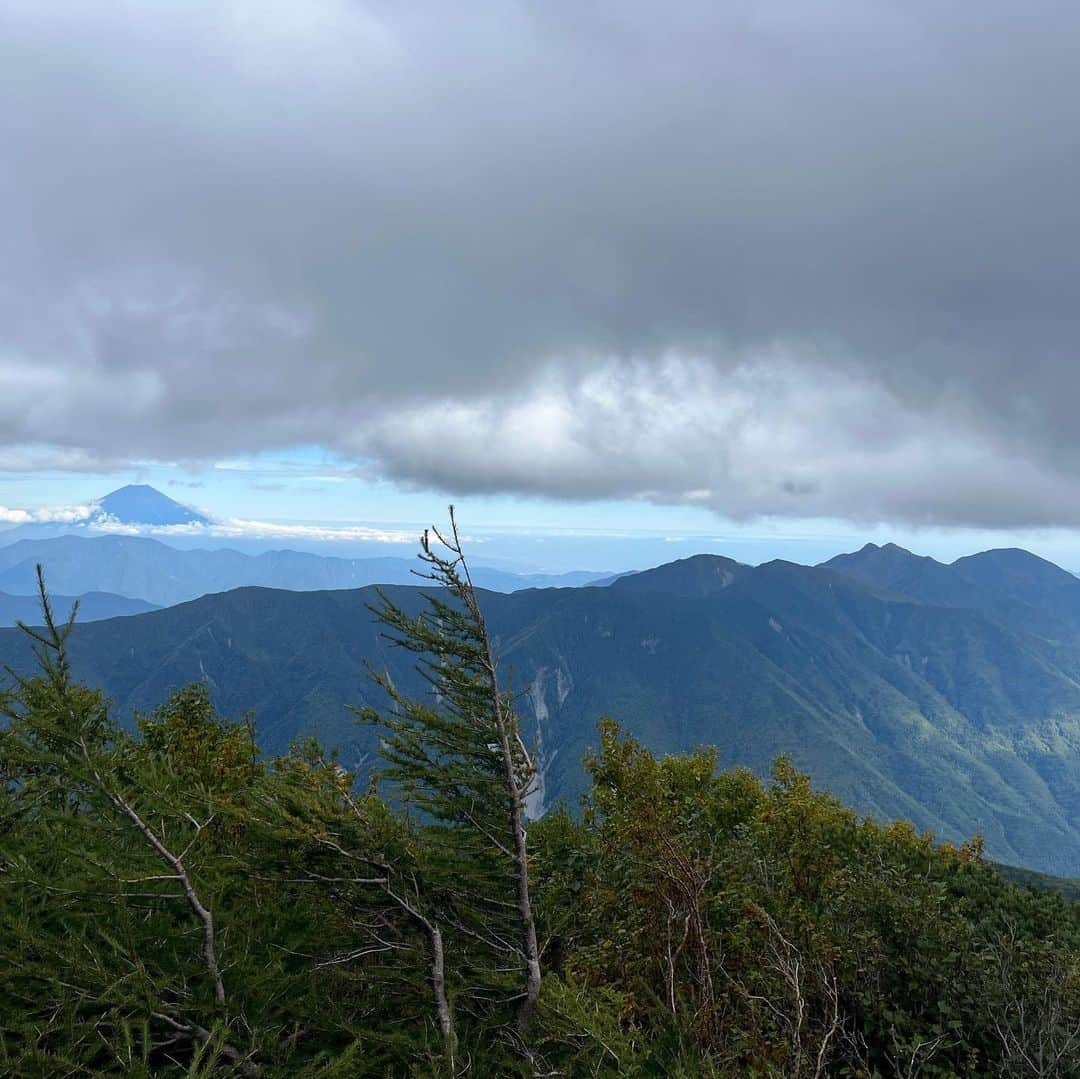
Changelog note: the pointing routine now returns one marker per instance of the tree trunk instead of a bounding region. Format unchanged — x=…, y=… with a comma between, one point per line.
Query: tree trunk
x=516, y=796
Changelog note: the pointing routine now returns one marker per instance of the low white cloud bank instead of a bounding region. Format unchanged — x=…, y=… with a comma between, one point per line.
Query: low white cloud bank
x=91, y=519
x=239, y=528
x=776, y=437
x=60, y=515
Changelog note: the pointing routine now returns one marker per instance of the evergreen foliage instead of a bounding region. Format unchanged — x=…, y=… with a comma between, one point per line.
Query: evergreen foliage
x=459, y=759
x=173, y=903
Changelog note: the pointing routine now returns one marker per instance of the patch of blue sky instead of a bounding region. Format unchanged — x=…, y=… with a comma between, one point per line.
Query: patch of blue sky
x=309, y=485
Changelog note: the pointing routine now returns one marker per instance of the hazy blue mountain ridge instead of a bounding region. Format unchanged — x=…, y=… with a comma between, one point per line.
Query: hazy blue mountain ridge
x=125, y=560
x=162, y=575
x=93, y=607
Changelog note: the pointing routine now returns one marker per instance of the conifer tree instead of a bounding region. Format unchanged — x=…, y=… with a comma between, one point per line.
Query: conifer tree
x=76, y=774
x=459, y=759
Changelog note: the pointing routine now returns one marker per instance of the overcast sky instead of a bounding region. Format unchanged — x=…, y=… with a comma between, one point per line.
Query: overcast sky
x=683, y=262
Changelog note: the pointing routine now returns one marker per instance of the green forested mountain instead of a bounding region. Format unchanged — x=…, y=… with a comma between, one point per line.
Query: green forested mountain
x=1012, y=586
x=1022, y=576
x=964, y=720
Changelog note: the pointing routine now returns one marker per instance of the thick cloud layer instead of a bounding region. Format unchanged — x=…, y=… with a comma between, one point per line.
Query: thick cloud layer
x=768, y=257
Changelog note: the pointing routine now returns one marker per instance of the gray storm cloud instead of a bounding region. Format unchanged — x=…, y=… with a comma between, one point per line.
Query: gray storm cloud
x=767, y=257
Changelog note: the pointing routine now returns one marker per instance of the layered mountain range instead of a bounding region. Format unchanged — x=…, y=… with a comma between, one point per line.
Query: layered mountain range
x=98, y=549
x=158, y=574
x=946, y=695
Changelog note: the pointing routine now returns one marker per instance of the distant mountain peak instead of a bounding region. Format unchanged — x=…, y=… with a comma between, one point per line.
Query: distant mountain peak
x=141, y=504
x=894, y=550
x=891, y=554
x=1026, y=577
x=698, y=575
x=1011, y=556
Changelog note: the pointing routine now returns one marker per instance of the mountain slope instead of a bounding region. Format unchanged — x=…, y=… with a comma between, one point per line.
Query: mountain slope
x=894, y=569
x=1025, y=577
x=937, y=714
x=977, y=583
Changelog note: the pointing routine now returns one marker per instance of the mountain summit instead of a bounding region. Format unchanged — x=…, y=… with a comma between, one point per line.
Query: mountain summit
x=140, y=504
